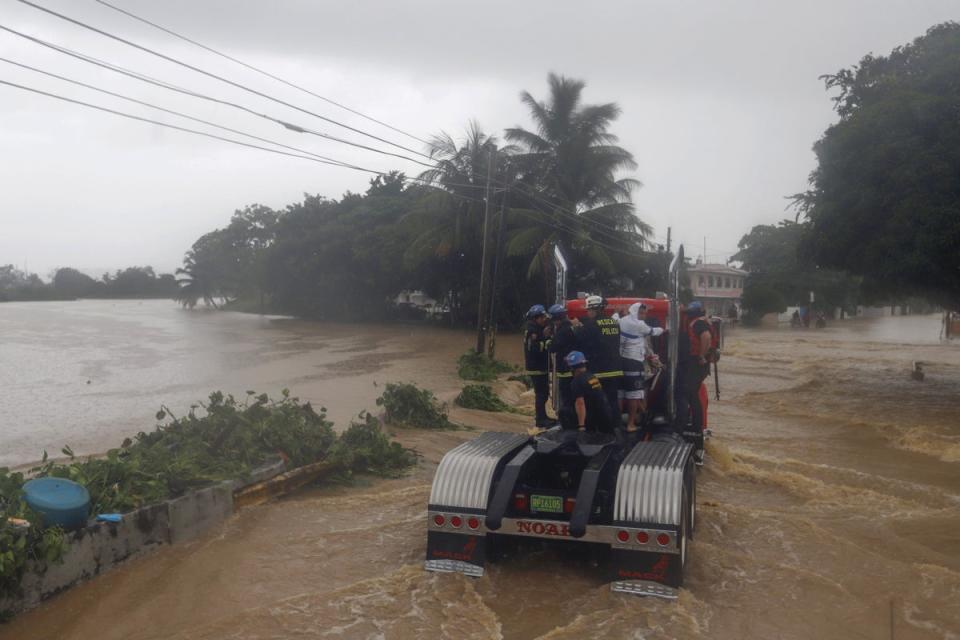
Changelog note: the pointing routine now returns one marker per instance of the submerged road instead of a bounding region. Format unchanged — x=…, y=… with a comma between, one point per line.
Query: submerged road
x=829, y=508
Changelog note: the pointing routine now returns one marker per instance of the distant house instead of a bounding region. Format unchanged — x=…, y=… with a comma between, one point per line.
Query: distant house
x=718, y=287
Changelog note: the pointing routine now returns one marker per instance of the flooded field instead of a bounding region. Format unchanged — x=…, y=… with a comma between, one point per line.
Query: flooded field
x=829, y=505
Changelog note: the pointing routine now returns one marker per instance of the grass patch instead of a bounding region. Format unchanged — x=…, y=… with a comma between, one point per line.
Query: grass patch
x=407, y=405
x=481, y=396
x=478, y=366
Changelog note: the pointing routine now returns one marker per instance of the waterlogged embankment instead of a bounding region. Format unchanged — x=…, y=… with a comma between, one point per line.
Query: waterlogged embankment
x=830, y=497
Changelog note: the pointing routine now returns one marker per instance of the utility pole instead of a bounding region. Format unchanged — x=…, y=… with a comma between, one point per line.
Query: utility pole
x=669, y=230
x=484, y=260
x=492, y=316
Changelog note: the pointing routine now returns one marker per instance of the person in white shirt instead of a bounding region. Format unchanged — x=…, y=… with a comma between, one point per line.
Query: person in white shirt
x=634, y=349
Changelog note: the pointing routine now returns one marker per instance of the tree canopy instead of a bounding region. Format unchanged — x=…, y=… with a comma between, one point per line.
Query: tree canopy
x=347, y=258
x=884, y=200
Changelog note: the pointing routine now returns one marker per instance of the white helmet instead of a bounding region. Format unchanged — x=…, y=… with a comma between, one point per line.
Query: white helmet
x=595, y=302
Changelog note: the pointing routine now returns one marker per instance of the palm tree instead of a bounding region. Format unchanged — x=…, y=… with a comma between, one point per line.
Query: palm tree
x=451, y=216
x=572, y=168
x=195, y=285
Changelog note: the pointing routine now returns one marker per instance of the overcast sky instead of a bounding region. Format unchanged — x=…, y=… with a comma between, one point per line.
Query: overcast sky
x=721, y=104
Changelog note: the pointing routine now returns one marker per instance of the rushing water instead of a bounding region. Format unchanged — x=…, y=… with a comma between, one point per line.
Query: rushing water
x=829, y=505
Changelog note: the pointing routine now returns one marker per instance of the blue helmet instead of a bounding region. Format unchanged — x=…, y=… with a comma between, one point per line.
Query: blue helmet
x=575, y=359
x=536, y=310
x=557, y=310
x=695, y=309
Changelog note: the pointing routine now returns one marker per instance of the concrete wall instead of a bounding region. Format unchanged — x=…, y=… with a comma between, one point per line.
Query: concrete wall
x=100, y=546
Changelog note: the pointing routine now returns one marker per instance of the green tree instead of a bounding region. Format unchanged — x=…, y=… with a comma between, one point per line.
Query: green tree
x=884, y=200
x=772, y=254
x=73, y=283
x=571, y=166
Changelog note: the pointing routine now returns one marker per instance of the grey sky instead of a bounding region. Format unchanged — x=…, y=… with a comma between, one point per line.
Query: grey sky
x=721, y=104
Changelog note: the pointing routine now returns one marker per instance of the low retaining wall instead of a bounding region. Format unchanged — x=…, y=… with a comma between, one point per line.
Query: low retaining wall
x=100, y=546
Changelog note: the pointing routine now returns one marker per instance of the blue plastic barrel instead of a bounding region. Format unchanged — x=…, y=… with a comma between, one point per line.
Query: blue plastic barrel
x=60, y=501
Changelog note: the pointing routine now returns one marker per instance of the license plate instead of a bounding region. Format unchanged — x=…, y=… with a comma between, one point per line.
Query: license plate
x=546, y=504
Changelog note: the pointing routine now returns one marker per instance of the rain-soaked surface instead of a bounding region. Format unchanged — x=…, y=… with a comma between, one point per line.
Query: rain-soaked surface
x=829, y=506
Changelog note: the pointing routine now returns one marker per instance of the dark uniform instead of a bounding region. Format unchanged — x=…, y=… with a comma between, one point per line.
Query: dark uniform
x=563, y=342
x=600, y=342
x=600, y=417
x=535, y=346
x=690, y=375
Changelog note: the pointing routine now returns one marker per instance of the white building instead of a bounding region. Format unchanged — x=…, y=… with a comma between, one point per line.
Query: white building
x=718, y=287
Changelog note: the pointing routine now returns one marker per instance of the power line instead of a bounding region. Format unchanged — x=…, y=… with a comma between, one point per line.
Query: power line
x=257, y=70
x=168, y=125
x=205, y=134
x=611, y=230
x=171, y=111
x=290, y=126
x=166, y=85
x=209, y=74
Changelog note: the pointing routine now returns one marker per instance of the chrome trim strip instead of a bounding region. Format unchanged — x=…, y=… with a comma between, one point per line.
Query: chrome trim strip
x=605, y=534
x=453, y=566
x=645, y=588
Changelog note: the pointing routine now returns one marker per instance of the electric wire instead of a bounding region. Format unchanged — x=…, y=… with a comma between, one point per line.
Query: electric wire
x=257, y=69
x=209, y=74
x=612, y=231
x=165, y=124
x=173, y=112
x=172, y=87
x=205, y=134
x=608, y=231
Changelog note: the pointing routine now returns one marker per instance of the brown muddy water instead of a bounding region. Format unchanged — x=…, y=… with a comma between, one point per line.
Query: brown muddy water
x=829, y=505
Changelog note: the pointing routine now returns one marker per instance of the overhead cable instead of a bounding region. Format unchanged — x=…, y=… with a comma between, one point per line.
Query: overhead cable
x=172, y=87
x=257, y=69
x=209, y=74
x=172, y=112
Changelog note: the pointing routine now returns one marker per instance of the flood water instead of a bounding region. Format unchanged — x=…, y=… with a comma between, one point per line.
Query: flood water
x=829, y=506
x=90, y=373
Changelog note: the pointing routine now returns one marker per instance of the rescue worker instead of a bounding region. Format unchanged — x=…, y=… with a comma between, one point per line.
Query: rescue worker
x=536, y=341
x=599, y=339
x=562, y=341
x=588, y=401
x=694, y=354
x=634, y=355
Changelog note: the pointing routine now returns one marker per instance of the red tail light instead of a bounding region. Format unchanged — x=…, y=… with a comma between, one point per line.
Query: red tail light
x=473, y=523
x=623, y=536
x=663, y=539
x=520, y=501
x=439, y=520
x=456, y=521
x=568, y=505
x=643, y=537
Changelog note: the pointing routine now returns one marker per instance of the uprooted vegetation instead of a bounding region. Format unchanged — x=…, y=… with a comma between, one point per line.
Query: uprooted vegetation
x=407, y=405
x=481, y=396
x=480, y=367
x=222, y=439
